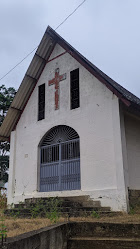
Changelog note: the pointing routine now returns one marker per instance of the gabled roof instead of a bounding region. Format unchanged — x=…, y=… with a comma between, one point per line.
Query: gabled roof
x=35, y=69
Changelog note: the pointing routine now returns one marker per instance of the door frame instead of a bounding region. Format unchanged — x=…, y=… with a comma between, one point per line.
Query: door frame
x=60, y=163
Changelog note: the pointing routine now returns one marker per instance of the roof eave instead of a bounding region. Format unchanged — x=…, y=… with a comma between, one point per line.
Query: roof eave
x=27, y=86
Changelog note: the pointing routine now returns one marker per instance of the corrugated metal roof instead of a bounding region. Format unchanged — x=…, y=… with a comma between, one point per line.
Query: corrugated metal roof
x=34, y=71
x=28, y=83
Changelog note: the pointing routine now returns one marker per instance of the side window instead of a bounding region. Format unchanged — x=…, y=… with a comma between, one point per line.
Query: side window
x=74, y=88
x=41, y=102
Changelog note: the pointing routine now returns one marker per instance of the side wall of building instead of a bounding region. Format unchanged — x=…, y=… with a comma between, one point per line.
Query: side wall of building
x=132, y=129
x=97, y=121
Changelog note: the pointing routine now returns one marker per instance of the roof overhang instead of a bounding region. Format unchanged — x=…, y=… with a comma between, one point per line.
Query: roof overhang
x=27, y=86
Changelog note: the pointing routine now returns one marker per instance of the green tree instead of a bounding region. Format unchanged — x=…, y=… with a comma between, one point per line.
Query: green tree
x=6, y=98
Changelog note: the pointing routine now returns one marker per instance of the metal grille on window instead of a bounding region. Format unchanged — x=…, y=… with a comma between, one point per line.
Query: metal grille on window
x=60, y=160
x=41, y=102
x=74, y=80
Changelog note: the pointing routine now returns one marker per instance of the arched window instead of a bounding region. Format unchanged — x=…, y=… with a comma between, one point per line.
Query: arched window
x=60, y=160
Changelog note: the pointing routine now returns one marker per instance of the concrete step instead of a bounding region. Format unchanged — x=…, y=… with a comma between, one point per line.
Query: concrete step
x=72, y=206
x=67, y=206
x=62, y=211
x=104, y=242
x=15, y=212
x=73, y=201
x=97, y=215
x=134, y=198
x=99, y=229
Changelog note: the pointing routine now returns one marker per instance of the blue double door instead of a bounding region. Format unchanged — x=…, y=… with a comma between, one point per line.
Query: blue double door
x=60, y=166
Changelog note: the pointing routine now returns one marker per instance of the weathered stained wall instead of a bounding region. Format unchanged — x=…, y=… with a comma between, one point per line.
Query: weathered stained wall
x=97, y=121
x=55, y=236
x=132, y=129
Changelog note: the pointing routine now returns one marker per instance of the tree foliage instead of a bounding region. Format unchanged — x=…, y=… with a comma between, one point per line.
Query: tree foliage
x=6, y=98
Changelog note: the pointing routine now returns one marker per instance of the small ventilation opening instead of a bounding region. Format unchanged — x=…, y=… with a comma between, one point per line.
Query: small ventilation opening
x=41, y=102
x=74, y=88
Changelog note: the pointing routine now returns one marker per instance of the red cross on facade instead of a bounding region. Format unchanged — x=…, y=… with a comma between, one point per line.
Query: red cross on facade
x=55, y=81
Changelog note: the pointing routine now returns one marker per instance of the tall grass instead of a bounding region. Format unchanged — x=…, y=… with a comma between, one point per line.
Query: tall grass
x=3, y=205
x=3, y=200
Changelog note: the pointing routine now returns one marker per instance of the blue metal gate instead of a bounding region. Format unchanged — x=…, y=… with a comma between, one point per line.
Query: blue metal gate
x=60, y=166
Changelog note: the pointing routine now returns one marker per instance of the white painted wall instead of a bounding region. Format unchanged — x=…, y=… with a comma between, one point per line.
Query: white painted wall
x=97, y=121
x=132, y=128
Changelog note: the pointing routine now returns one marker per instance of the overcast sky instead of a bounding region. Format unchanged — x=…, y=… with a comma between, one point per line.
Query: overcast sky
x=107, y=32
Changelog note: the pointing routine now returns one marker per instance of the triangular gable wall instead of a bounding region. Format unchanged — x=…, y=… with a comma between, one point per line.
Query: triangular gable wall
x=42, y=55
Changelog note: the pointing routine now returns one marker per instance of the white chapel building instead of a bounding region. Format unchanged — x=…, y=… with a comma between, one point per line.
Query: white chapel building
x=73, y=131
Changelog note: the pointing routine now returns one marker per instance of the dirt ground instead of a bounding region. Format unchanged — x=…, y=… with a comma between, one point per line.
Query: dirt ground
x=18, y=226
